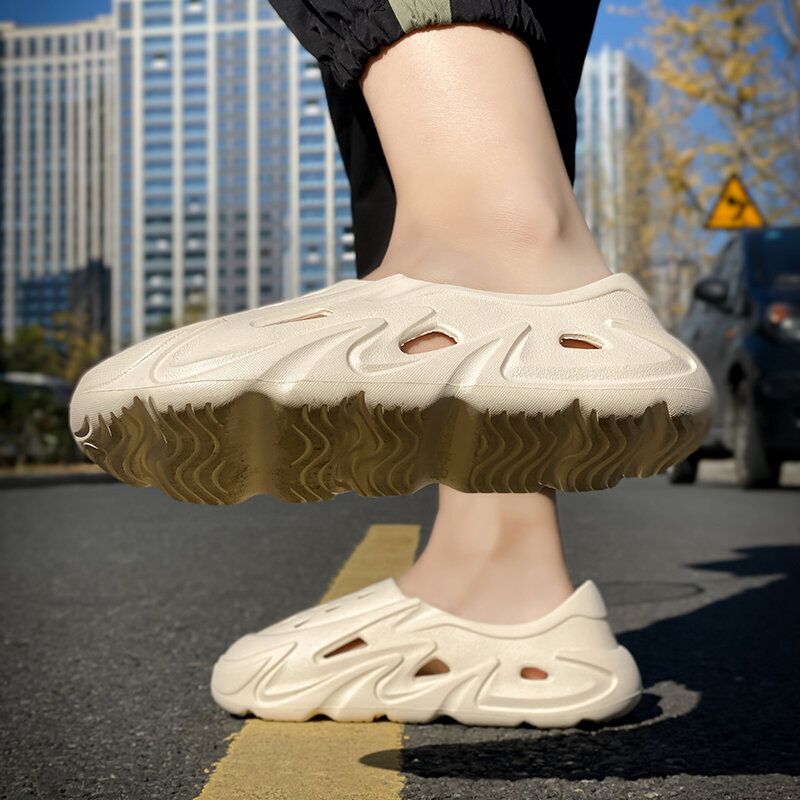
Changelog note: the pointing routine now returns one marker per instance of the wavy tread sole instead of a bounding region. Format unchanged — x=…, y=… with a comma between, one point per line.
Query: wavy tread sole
x=256, y=445
x=547, y=720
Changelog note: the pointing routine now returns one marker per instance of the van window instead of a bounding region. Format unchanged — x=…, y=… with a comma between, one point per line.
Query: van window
x=777, y=258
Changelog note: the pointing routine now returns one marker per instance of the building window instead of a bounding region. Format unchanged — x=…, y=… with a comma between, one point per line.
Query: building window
x=312, y=108
x=125, y=16
x=159, y=61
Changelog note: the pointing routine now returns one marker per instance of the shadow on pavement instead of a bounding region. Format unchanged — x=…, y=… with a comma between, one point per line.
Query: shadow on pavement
x=737, y=659
x=36, y=481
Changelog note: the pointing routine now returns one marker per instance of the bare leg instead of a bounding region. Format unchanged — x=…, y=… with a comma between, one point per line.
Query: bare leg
x=483, y=200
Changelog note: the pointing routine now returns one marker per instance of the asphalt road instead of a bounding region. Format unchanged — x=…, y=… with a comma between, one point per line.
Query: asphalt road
x=116, y=601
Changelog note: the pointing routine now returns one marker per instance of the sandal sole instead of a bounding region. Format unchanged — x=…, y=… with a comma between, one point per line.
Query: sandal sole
x=256, y=445
x=599, y=715
x=619, y=702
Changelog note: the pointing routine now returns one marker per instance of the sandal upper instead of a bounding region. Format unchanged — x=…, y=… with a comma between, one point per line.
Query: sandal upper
x=324, y=346
x=301, y=660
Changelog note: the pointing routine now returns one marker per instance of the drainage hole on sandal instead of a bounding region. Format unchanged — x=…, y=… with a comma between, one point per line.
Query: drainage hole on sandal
x=533, y=674
x=576, y=342
x=425, y=342
x=433, y=667
x=351, y=645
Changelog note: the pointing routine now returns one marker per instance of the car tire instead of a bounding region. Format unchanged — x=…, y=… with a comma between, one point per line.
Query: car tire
x=754, y=467
x=684, y=471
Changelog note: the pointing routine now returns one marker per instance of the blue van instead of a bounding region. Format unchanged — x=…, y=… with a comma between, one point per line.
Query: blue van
x=744, y=323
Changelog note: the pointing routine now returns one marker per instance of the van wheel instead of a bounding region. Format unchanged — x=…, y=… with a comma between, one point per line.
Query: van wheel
x=684, y=471
x=754, y=467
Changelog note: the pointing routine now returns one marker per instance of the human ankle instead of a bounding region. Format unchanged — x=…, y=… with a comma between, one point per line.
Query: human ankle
x=492, y=557
x=501, y=589
x=480, y=218
x=503, y=246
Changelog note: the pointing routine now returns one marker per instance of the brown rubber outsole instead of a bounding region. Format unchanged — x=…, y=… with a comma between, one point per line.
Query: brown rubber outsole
x=254, y=445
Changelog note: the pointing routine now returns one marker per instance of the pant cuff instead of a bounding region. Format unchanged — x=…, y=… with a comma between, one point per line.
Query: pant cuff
x=345, y=35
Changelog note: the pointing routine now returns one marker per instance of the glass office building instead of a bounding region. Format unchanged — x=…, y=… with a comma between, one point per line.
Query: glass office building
x=232, y=192
x=186, y=144
x=57, y=202
x=611, y=92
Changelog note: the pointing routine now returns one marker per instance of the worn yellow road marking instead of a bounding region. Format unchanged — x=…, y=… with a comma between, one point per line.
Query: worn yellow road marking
x=322, y=759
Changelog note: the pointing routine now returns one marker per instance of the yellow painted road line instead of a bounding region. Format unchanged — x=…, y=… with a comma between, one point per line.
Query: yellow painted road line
x=322, y=759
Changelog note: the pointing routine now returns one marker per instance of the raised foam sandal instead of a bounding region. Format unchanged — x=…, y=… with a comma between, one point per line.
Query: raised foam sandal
x=378, y=652
x=314, y=396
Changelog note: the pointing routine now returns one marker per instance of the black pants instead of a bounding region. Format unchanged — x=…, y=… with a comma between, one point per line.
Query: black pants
x=344, y=34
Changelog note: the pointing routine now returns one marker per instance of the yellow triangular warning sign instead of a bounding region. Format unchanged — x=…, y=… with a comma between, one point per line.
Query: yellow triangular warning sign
x=735, y=208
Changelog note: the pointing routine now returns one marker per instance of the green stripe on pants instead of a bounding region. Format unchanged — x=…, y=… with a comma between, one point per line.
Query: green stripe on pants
x=412, y=14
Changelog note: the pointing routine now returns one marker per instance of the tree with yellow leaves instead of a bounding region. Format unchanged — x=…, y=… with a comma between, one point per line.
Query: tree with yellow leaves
x=725, y=98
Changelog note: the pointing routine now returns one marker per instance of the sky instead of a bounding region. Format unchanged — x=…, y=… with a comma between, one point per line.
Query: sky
x=619, y=30
x=37, y=12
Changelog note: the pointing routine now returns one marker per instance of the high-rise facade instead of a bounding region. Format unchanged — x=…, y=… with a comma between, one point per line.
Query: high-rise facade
x=215, y=184
x=186, y=145
x=232, y=190
x=57, y=137
x=609, y=105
